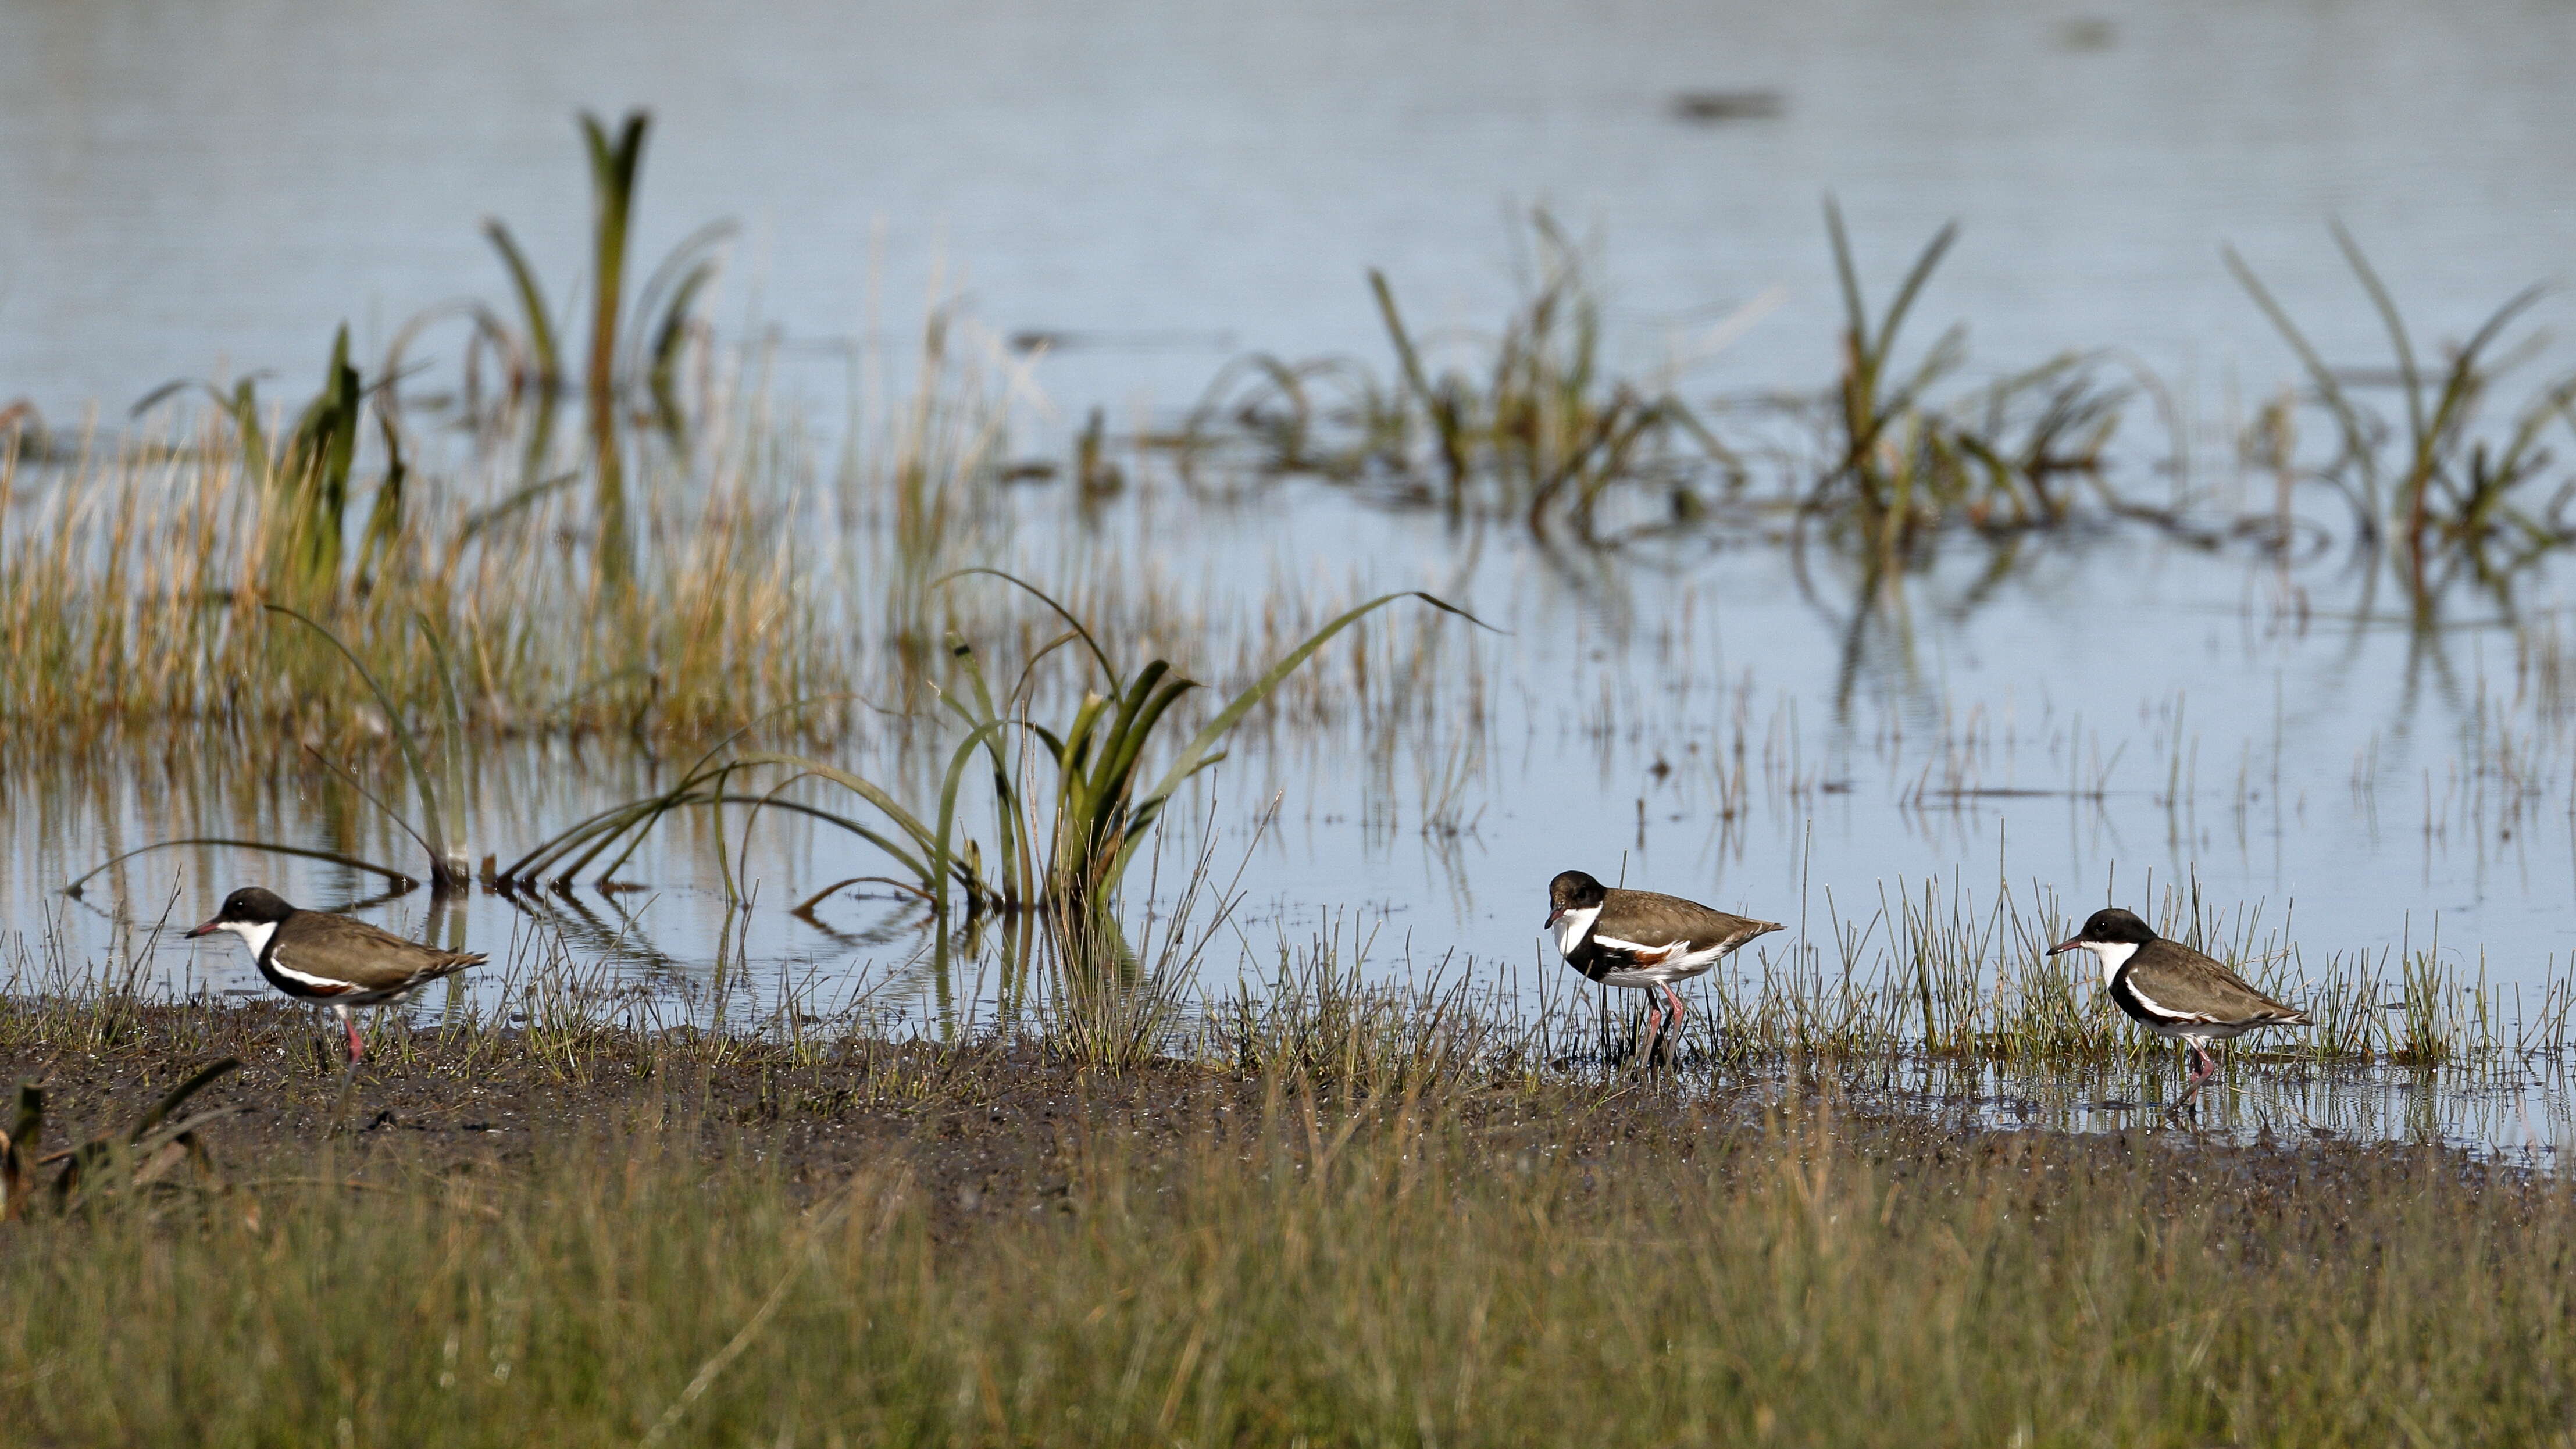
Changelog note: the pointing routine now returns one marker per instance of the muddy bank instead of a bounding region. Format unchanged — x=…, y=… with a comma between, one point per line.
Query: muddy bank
x=998, y=1128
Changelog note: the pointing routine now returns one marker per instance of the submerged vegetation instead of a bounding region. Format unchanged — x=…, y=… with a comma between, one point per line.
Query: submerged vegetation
x=2453, y=496
x=717, y=570
x=1535, y=426
x=1540, y=430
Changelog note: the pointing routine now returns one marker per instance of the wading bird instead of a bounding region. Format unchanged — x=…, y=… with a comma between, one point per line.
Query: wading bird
x=317, y=956
x=1642, y=940
x=2173, y=990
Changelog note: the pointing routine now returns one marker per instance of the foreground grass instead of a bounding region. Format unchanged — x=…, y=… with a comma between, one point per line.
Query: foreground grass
x=914, y=1244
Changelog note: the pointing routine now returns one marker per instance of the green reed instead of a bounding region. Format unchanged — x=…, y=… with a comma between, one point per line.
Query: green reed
x=305, y=481
x=1531, y=425
x=133, y=589
x=2454, y=488
x=631, y=368
x=132, y=574
x=1072, y=801
x=1535, y=426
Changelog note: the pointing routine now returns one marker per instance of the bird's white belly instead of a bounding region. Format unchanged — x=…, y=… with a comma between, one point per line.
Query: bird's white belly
x=1678, y=968
x=2201, y=1032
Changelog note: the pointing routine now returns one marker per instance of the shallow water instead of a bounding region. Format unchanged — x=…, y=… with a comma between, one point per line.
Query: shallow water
x=2117, y=715
x=1158, y=185
x=2356, y=788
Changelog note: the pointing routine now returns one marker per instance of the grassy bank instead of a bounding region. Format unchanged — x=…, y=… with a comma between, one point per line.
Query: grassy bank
x=907, y=1244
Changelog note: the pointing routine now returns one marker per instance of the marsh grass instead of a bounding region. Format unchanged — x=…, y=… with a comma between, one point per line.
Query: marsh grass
x=632, y=367
x=132, y=569
x=132, y=589
x=1940, y=969
x=1530, y=425
x=1535, y=426
x=1932, y=977
x=1072, y=801
x=2451, y=491
x=1907, y=463
x=1936, y=971
x=306, y=479
x=1313, y=1018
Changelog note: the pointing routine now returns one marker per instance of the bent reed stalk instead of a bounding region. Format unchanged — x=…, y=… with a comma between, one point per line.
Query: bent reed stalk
x=1072, y=803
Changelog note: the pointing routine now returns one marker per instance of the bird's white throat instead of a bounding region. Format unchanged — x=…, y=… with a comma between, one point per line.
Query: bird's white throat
x=1573, y=926
x=2113, y=955
x=255, y=932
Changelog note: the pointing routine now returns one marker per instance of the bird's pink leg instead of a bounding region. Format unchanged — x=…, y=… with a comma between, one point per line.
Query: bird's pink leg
x=357, y=1049
x=2203, y=1067
x=1677, y=1005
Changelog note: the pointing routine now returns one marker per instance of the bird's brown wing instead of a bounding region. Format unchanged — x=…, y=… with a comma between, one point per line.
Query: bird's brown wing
x=2183, y=982
x=1654, y=920
x=369, y=957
